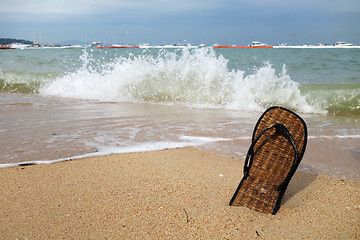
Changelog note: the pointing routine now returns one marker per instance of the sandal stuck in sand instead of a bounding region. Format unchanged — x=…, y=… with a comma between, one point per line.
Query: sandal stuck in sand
x=278, y=145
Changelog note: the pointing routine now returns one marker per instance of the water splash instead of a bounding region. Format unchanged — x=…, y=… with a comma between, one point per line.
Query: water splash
x=192, y=77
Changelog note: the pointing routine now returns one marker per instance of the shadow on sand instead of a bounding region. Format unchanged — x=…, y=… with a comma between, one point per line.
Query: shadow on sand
x=300, y=181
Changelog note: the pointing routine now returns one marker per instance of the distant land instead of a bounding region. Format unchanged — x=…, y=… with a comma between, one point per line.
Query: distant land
x=6, y=41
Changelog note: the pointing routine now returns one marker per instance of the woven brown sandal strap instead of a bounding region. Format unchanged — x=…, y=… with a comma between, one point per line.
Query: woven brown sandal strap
x=250, y=154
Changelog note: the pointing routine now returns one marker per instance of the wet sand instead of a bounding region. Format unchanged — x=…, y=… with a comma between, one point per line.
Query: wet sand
x=49, y=129
x=169, y=194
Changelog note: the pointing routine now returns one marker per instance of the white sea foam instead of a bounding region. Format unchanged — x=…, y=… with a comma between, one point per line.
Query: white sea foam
x=186, y=141
x=345, y=136
x=192, y=77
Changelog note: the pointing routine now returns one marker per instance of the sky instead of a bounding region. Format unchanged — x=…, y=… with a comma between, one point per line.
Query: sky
x=182, y=21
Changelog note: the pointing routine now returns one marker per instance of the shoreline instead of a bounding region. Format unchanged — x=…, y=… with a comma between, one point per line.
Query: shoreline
x=177, y=193
x=320, y=149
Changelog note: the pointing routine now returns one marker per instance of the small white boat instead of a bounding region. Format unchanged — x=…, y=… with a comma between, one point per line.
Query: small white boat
x=345, y=44
x=19, y=45
x=72, y=46
x=255, y=44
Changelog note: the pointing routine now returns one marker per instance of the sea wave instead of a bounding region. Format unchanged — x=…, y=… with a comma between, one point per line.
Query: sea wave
x=337, y=99
x=190, y=77
x=197, y=77
x=26, y=82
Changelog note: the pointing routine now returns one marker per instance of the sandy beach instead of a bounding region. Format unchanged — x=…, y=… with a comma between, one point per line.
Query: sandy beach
x=170, y=194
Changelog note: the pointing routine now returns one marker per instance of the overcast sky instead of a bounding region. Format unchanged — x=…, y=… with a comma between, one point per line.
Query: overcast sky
x=182, y=21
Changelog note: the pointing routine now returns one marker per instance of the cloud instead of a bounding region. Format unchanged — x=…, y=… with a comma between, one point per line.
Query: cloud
x=55, y=8
x=19, y=10
x=228, y=21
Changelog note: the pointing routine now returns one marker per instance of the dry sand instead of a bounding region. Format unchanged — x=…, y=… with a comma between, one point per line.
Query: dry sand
x=171, y=194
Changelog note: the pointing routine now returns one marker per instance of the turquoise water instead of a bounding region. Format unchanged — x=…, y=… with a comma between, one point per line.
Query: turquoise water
x=58, y=104
x=325, y=81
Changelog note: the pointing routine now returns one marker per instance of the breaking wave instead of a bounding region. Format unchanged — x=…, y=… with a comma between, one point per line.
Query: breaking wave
x=191, y=77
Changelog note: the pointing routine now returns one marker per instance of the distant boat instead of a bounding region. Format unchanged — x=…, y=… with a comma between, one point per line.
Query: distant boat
x=124, y=46
x=252, y=45
x=6, y=47
x=169, y=46
x=145, y=45
x=175, y=46
x=96, y=44
x=165, y=46
x=72, y=46
x=343, y=44
x=119, y=46
x=322, y=46
x=257, y=44
x=19, y=45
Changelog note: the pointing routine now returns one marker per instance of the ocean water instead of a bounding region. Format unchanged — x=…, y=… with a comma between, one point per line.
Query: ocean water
x=58, y=104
